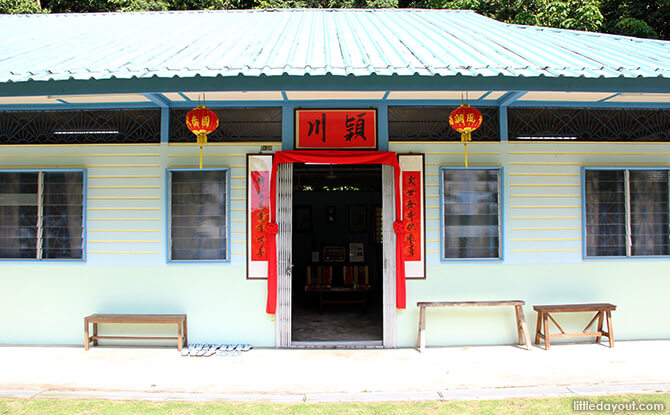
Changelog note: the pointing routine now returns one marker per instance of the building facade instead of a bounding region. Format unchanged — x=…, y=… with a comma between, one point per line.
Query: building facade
x=105, y=208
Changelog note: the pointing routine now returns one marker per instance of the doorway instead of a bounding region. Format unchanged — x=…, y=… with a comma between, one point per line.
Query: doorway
x=337, y=283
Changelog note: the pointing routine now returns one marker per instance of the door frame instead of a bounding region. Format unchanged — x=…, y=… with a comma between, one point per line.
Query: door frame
x=285, y=264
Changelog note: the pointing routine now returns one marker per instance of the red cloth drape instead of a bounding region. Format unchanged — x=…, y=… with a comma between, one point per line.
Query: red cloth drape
x=332, y=157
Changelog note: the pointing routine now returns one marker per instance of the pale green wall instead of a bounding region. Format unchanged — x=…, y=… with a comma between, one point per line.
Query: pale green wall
x=640, y=291
x=546, y=270
x=47, y=304
x=44, y=303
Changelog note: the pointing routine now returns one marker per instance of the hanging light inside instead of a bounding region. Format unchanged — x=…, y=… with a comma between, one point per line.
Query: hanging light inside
x=331, y=173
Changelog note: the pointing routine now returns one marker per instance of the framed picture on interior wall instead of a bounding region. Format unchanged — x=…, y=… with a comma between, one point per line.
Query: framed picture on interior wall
x=331, y=214
x=358, y=218
x=259, y=167
x=303, y=219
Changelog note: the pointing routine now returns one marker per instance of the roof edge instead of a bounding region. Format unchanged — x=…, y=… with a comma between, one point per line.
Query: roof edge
x=331, y=82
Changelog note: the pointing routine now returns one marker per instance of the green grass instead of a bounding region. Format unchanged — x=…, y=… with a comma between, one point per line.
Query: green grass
x=497, y=407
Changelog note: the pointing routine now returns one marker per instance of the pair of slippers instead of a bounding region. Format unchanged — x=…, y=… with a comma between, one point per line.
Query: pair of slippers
x=199, y=350
x=228, y=350
x=207, y=350
x=233, y=349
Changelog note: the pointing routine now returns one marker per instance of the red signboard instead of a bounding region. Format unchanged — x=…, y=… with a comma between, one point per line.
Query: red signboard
x=348, y=129
x=260, y=214
x=411, y=211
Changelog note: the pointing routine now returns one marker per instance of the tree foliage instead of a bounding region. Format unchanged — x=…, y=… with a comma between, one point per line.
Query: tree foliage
x=327, y=4
x=566, y=14
x=572, y=14
x=19, y=6
x=70, y=6
x=640, y=18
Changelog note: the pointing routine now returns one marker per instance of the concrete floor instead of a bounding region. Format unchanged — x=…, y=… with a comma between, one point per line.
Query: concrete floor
x=293, y=372
x=336, y=323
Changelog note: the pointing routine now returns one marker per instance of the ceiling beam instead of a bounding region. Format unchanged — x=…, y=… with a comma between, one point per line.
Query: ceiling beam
x=611, y=96
x=510, y=97
x=503, y=103
x=159, y=99
x=164, y=104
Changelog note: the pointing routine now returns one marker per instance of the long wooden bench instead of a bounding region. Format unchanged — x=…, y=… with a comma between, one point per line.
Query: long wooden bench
x=522, y=327
x=95, y=319
x=603, y=312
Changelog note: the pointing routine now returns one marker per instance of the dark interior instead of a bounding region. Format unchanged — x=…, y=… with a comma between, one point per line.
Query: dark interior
x=337, y=253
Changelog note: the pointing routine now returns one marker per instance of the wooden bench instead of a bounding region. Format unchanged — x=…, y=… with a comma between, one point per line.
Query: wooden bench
x=522, y=327
x=603, y=312
x=95, y=319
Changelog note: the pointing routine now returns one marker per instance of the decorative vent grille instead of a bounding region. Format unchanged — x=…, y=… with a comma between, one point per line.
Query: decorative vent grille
x=582, y=124
x=432, y=124
x=80, y=127
x=235, y=125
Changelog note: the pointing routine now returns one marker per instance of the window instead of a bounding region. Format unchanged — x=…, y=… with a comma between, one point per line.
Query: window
x=81, y=126
x=42, y=215
x=198, y=215
x=432, y=124
x=235, y=125
x=588, y=124
x=471, y=213
x=626, y=213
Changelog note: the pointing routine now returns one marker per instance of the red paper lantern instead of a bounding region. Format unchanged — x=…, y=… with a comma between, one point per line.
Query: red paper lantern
x=201, y=122
x=465, y=120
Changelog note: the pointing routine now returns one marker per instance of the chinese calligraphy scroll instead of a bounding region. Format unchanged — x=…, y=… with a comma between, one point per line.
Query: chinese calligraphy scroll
x=412, y=190
x=332, y=129
x=259, y=167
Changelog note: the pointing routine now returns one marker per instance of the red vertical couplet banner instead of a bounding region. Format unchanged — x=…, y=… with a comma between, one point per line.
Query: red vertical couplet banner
x=412, y=194
x=260, y=214
x=259, y=168
x=412, y=212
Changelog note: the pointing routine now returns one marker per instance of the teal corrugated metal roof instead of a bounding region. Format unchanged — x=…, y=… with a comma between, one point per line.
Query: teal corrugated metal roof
x=254, y=43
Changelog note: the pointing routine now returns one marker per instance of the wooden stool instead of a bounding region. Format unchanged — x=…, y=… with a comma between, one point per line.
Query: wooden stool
x=603, y=312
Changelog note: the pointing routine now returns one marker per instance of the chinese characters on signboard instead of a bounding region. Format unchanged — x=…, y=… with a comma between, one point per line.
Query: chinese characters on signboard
x=412, y=192
x=259, y=167
x=346, y=129
x=260, y=214
x=412, y=217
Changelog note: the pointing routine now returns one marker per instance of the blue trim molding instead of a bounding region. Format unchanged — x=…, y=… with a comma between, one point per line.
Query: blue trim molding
x=501, y=216
x=84, y=216
x=583, y=208
x=168, y=192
